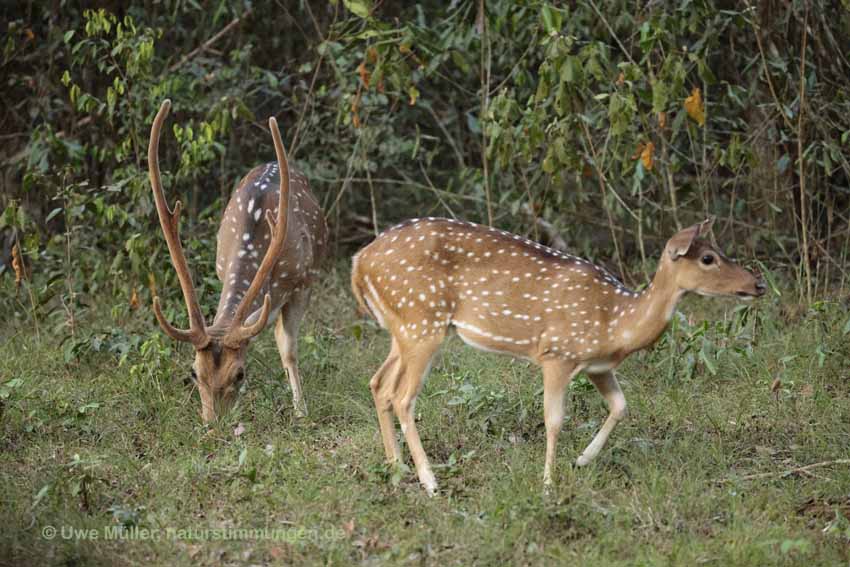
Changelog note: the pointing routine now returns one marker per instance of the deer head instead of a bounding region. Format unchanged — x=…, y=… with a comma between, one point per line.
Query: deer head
x=699, y=267
x=219, y=366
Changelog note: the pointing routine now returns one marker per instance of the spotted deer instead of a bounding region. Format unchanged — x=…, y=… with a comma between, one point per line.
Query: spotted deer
x=270, y=241
x=503, y=293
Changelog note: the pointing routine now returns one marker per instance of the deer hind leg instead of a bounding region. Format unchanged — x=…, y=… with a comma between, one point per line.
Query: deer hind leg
x=557, y=375
x=416, y=361
x=607, y=385
x=383, y=385
x=286, y=337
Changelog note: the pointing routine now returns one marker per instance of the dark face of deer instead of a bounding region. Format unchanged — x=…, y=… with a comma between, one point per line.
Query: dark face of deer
x=700, y=267
x=218, y=372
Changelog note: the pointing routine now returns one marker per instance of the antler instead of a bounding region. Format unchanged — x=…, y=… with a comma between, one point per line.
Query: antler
x=169, y=220
x=239, y=332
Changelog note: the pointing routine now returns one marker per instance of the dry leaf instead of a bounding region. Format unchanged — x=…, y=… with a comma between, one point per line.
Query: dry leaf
x=348, y=527
x=134, y=300
x=695, y=108
x=621, y=80
x=355, y=105
x=646, y=156
x=645, y=151
x=17, y=265
x=807, y=391
x=372, y=55
x=662, y=119
x=365, y=76
x=777, y=383
x=240, y=429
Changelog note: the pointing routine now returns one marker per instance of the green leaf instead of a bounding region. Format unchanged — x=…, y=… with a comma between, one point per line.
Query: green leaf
x=660, y=96
x=358, y=7
x=552, y=19
x=52, y=214
x=709, y=364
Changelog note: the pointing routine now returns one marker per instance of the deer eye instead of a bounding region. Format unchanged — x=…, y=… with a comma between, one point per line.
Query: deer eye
x=239, y=377
x=707, y=260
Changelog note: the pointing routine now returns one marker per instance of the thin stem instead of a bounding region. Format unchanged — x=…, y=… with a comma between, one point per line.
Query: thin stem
x=485, y=103
x=801, y=163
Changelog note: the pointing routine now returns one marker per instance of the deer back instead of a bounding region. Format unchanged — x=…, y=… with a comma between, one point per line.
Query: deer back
x=502, y=292
x=244, y=237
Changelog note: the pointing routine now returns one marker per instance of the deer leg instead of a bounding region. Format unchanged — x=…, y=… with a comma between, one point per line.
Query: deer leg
x=557, y=375
x=607, y=385
x=382, y=385
x=417, y=361
x=286, y=337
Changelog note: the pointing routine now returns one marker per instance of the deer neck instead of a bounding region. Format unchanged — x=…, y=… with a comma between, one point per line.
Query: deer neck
x=645, y=316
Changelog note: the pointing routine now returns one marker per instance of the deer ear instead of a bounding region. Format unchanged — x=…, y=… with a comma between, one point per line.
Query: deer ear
x=682, y=241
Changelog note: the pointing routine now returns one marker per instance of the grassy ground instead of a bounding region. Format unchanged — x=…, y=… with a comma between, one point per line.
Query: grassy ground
x=113, y=438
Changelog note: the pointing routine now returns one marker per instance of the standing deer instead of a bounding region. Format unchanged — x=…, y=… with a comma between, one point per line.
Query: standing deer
x=503, y=293
x=271, y=239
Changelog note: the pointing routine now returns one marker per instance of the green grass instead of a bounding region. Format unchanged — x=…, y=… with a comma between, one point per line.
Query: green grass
x=108, y=440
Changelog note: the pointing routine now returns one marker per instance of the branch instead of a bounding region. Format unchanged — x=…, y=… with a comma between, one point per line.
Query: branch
x=553, y=237
x=207, y=44
x=788, y=472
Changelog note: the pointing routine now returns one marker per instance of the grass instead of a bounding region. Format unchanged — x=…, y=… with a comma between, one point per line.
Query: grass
x=113, y=438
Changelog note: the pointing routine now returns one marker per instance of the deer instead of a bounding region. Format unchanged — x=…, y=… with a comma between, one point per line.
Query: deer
x=271, y=239
x=506, y=294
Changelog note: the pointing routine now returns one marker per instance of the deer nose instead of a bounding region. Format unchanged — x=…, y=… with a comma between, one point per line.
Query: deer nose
x=761, y=288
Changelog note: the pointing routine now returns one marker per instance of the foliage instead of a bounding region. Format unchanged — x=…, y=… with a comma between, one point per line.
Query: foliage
x=615, y=124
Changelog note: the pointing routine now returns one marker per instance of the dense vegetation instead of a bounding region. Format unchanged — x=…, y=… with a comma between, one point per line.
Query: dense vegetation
x=606, y=125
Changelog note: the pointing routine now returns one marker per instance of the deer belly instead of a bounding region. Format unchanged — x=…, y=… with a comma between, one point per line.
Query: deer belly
x=599, y=366
x=491, y=342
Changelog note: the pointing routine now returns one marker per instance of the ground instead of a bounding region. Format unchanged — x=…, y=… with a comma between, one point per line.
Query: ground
x=99, y=432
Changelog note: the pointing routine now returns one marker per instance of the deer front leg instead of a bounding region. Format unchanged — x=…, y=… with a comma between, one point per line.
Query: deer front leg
x=416, y=361
x=557, y=375
x=607, y=385
x=286, y=337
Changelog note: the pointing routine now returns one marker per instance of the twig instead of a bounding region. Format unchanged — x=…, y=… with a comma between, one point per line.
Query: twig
x=309, y=98
x=208, y=43
x=757, y=30
x=601, y=176
x=436, y=192
x=803, y=469
x=449, y=139
x=611, y=31
x=556, y=241
x=801, y=163
x=371, y=190
x=485, y=102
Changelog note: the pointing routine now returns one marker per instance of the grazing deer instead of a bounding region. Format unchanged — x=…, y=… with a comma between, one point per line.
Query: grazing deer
x=271, y=239
x=503, y=293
